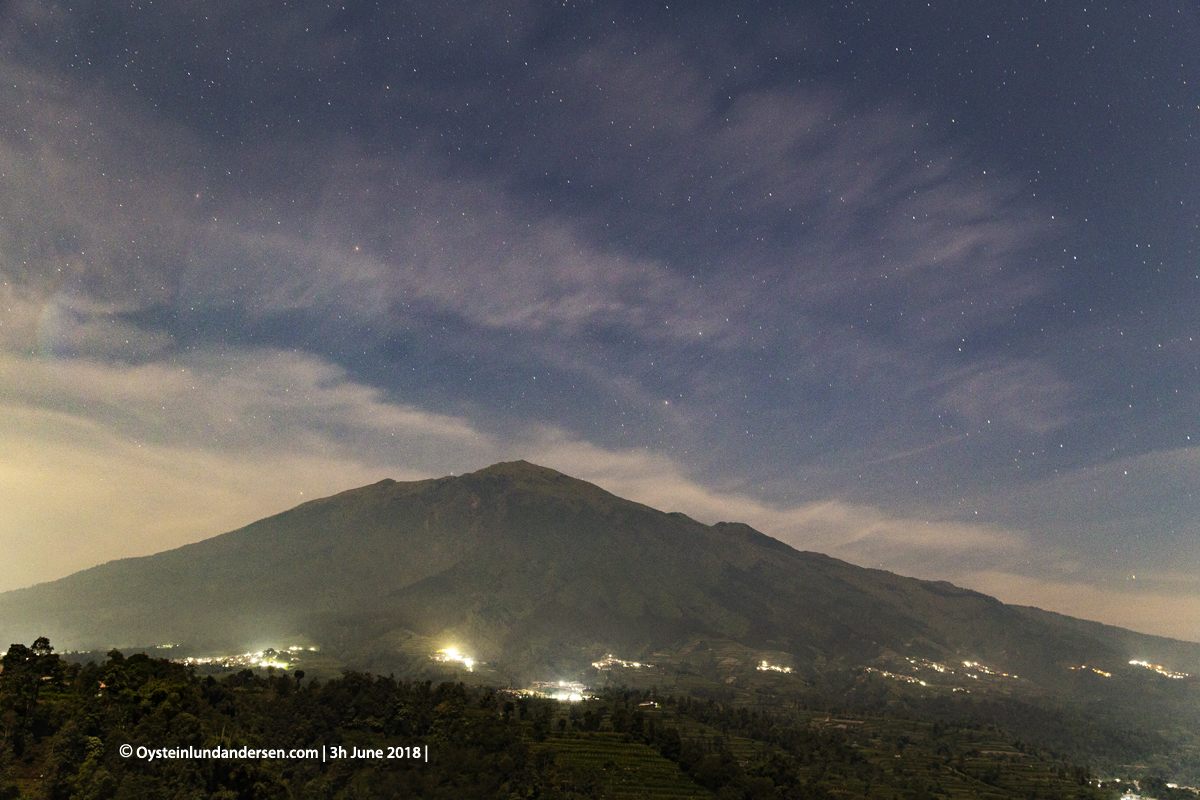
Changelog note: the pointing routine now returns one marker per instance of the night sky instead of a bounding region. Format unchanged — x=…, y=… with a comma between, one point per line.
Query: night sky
x=913, y=284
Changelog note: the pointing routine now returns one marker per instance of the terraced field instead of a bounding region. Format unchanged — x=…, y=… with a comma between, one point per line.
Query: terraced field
x=629, y=770
x=880, y=758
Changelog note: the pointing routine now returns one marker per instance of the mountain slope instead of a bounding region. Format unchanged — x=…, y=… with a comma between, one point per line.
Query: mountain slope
x=537, y=569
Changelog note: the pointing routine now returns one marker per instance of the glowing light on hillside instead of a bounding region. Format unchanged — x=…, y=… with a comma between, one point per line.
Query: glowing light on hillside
x=563, y=691
x=451, y=654
x=1093, y=669
x=763, y=666
x=975, y=665
x=609, y=661
x=1160, y=669
x=895, y=677
x=260, y=659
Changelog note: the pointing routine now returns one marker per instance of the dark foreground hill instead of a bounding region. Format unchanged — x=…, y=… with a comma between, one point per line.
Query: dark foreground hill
x=362, y=736
x=527, y=565
x=540, y=574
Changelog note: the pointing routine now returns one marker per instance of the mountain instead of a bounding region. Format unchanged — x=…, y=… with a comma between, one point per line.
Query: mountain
x=539, y=574
x=534, y=568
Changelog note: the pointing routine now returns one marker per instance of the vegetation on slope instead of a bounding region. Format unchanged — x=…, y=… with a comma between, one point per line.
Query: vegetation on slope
x=62, y=726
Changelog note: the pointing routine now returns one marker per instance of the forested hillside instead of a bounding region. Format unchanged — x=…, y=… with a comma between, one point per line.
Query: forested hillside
x=62, y=726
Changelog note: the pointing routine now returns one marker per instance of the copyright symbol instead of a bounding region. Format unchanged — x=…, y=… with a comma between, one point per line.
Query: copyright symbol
x=126, y=750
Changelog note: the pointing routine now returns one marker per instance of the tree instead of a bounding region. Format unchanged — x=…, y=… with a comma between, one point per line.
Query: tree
x=25, y=671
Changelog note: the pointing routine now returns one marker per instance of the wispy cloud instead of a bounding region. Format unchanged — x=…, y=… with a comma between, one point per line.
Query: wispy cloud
x=76, y=493
x=192, y=430
x=859, y=533
x=1026, y=395
x=804, y=178
x=1143, y=506
x=1163, y=611
x=116, y=460
x=731, y=275
x=96, y=198
x=247, y=401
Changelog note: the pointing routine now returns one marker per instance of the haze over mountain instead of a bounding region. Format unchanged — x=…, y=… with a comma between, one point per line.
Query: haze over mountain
x=536, y=570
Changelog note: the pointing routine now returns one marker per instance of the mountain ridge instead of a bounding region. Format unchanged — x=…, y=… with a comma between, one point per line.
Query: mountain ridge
x=518, y=557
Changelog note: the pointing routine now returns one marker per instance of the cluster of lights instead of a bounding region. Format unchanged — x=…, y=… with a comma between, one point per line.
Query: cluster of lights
x=765, y=667
x=565, y=691
x=1161, y=670
x=609, y=661
x=261, y=659
x=975, y=665
x=1093, y=669
x=894, y=676
x=451, y=654
x=933, y=665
